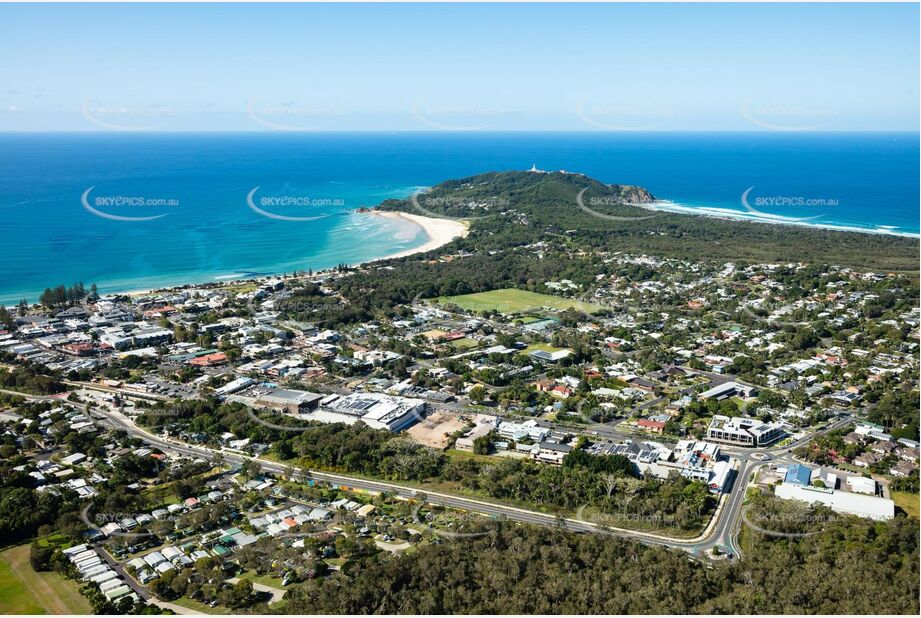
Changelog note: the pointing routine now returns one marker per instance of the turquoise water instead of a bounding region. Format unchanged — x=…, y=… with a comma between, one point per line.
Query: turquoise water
x=191, y=192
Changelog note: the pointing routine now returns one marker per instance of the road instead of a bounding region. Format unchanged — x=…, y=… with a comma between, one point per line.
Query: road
x=714, y=535
x=720, y=533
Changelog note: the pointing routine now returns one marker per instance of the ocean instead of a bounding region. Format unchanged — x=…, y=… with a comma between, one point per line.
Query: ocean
x=138, y=210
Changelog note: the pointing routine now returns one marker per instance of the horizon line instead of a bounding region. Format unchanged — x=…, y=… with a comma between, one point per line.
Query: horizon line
x=445, y=132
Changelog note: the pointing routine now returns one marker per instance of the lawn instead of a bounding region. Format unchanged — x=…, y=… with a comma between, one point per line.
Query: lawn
x=23, y=591
x=200, y=607
x=511, y=300
x=486, y=459
x=465, y=344
x=908, y=503
x=265, y=580
x=546, y=347
x=160, y=495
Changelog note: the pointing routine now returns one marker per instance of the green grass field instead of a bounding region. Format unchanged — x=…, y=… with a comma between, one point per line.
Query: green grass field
x=511, y=300
x=908, y=503
x=23, y=591
x=464, y=344
x=546, y=347
x=200, y=607
x=265, y=580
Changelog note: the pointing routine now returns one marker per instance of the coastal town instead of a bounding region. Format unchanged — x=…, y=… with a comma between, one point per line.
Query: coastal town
x=184, y=439
x=468, y=308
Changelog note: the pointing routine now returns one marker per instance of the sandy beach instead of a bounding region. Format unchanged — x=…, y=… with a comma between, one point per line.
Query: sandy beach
x=439, y=231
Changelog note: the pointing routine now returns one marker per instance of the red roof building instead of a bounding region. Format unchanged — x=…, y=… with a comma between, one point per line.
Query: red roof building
x=209, y=360
x=650, y=425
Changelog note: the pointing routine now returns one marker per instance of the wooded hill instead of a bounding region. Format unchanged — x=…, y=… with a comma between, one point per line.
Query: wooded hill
x=513, y=208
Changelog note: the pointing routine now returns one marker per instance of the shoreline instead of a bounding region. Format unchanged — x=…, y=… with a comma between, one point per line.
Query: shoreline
x=728, y=214
x=439, y=232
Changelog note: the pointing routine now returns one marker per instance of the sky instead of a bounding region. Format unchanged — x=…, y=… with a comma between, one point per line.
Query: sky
x=474, y=67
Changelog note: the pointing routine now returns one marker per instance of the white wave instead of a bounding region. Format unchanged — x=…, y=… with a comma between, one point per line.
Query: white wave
x=729, y=213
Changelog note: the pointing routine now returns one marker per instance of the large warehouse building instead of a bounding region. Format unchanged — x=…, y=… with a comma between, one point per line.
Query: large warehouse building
x=373, y=409
x=840, y=501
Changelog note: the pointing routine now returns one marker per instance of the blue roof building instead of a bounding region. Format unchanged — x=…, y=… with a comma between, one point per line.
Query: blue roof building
x=798, y=474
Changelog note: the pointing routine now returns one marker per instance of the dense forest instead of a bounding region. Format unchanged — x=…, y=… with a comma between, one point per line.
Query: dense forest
x=848, y=566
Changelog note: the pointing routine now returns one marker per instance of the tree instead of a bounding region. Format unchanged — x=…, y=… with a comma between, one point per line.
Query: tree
x=610, y=483
x=6, y=320
x=482, y=445
x=252, y=469
x=40, y=557
x=477, y=394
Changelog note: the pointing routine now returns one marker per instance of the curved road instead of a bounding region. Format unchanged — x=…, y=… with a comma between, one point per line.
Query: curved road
x=721, y=532
x=718, y=532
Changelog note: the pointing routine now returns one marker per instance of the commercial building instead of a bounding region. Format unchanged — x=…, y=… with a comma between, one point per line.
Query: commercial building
x=466, y=443
x=234, y=386
x=839, y=501
x=798, y=474
x=719, y=476
x=729, y=389
x=119, y=338
x=284, y=400
x=862, y=485
x=543, y=356
x=373, y=409
x=529, y=430
x=743, y=431
x=551, y=452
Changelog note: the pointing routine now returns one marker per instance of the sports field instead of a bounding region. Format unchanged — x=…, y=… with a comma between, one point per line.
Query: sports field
x=511, y=300
x=23, y=591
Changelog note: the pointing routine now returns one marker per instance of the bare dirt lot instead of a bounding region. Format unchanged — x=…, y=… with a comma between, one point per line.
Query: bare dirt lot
x=434, y=430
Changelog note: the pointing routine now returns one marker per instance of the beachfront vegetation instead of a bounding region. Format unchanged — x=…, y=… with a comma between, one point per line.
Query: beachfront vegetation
x=510, y=209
